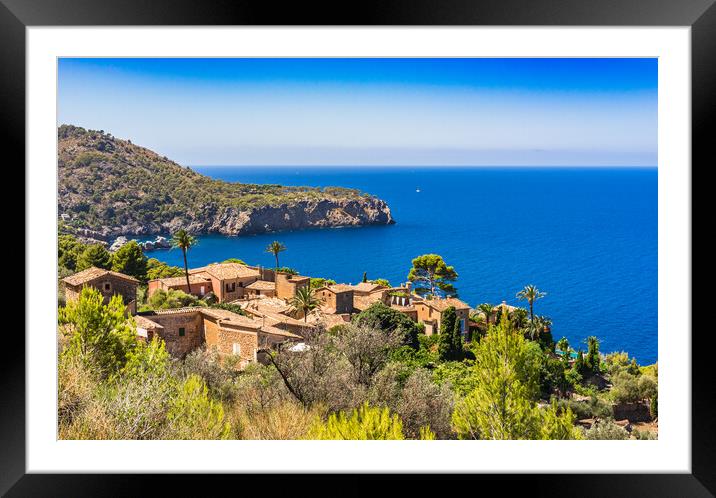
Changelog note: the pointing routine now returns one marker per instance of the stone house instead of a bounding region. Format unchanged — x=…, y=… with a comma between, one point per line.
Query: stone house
x=287, y=285
x=186, y=329
x=429, y=311
x=336, y=299
x=200, y=285
x=260, y=288
x=109, y=283
x=228, y=280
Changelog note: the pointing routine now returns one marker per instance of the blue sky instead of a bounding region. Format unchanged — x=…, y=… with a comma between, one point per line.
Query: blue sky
x=591, y=112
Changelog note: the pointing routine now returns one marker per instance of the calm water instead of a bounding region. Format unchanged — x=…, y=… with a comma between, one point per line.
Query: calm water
x=587, y=237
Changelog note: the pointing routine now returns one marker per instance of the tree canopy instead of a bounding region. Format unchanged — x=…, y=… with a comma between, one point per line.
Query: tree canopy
x=431, y=276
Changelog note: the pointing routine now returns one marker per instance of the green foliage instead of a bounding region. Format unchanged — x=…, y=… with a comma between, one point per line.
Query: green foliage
x=317, y=283
x=643, y=435
x=147, y=359
x=432, y=277
x=461, y=376
x=380, y=281
x=234, y=308
x=363, y=423
x=304, y=302
x=592, y=360
x=158, y=269
x=606, y=429
x=594, y=407
x=387, y=319
x=275, y=248
x=502, y=405
x=130, y=260
x=286, y=269
x=654, y=406
x=69, y=250
x=531, y=294
x=194, y=415
x=450, y=345
x=172, y=298
x=99, y=335
x=234, y=260
x=94, y=255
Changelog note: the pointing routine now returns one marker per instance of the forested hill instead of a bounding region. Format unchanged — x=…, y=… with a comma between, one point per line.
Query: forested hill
x=109, y=187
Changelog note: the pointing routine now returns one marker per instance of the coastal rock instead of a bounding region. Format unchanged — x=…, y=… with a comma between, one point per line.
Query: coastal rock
x=158, y=196
x=119, y=242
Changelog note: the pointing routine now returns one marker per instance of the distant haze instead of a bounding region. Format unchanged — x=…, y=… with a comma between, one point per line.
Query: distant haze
x=572, y=112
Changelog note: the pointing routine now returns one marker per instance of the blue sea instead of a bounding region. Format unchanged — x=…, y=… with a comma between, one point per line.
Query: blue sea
x=585, y=236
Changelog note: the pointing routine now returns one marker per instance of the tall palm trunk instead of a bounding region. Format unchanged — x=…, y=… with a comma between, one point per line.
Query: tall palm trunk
x=186, y=272
x=532, y=313
x=276, y=255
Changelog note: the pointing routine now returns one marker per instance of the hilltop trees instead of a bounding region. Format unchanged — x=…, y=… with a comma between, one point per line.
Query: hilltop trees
x=94, y=255
x=130, y=260
x=184, y=241
x=432, y=277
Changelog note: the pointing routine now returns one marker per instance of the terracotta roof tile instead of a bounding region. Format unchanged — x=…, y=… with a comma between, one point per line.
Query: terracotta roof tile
x=443, y=304
x=94, y=273
x=179, y=281
x=262, y=285
x=224, y=271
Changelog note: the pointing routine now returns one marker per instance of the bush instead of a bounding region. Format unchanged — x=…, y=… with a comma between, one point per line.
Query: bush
x=364, y=423
x=388, y=320
x=130, y=260
x=606, y=429
x=172, y=298
x=194, y=415
x=625, y=388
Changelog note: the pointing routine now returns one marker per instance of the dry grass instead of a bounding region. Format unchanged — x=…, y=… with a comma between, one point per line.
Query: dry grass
x=286, y=420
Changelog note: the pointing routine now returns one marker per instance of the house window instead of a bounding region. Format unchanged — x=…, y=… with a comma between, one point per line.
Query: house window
x=236, y=349
x=231, y=287
x=107, y=286
x=181, y=331
x=241, y=284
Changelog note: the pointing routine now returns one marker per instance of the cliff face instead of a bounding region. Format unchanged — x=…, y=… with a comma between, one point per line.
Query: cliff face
x=109, y=187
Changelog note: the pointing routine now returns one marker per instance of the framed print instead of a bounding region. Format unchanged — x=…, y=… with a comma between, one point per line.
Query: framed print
x=449, y=239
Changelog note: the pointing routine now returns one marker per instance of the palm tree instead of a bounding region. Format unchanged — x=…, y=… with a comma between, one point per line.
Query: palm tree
x=486, y=309
x=531, y=294
x=563, y=345
x=183, y=240
x=518, y=317
x=305, y=301
x=274, y=248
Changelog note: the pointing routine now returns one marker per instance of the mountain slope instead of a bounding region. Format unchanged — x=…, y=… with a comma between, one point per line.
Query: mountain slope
x=109, y=187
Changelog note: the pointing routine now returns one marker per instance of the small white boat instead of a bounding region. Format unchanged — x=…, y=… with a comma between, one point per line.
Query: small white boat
x=417, y=190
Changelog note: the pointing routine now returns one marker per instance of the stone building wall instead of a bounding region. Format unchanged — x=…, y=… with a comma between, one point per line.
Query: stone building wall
x=176, y=344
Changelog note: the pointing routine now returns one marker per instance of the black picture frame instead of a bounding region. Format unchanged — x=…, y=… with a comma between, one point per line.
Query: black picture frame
x=700, y=15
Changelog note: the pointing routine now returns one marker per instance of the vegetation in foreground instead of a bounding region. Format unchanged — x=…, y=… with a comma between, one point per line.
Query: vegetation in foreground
x=378, y=377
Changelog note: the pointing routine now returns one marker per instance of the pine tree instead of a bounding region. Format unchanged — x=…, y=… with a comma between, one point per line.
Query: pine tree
x=502, y=404
x=130, y=260
x=94, y=255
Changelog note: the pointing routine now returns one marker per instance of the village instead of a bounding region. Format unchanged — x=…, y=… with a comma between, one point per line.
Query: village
x=265, y=296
